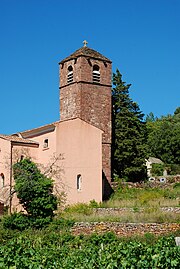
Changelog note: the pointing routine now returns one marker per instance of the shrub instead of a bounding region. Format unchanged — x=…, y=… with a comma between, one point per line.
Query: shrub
x=173, y=169
x=16, y=221
x=60, y=224
x=34, y=190
x=20, y=222
x=157, y=169
x=94, y=204
x=55, y=250
x=176, y=185
x=80, y=208
x=35, y=193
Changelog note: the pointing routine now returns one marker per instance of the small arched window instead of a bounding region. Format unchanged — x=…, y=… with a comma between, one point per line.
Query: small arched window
x=96, y=73
x=70, y=74
x=1, y=180
x=79, y=182
x=46, y=143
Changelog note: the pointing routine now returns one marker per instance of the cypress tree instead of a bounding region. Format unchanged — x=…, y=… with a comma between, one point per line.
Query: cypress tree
x=129, y=134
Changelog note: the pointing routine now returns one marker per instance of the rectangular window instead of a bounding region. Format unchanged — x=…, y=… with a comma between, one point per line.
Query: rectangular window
x=45, y=145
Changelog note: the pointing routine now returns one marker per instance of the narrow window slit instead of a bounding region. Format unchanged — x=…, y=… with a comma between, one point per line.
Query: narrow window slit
x=79, y=182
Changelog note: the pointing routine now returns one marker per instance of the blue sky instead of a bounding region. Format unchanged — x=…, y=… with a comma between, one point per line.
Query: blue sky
x=141, y=37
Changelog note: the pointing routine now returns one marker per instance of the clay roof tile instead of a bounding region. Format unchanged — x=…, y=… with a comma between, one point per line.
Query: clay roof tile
x=15, y=138
x=87, y=52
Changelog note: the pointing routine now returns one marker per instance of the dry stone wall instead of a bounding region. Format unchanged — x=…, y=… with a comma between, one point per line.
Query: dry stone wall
x=124, y=229
x=117, y=211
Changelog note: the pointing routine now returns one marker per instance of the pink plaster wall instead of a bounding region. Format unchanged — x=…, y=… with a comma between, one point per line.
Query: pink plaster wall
x=76, y=148
x=44, y=155
x=5, y=167
x=80, y=144
x=25, y=151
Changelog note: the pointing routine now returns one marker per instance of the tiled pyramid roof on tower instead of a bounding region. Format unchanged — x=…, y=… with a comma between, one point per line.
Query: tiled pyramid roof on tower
x=87, y=52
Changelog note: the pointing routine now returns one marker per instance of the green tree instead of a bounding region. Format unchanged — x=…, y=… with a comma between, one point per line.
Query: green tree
x=34, y=190
x=150, y=117
x=177, y=111
x=164, y=138
x=129, y=133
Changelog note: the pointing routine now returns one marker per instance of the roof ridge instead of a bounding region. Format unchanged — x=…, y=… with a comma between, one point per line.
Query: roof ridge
x=39, y=127
x=12, y=138
x=87, y=52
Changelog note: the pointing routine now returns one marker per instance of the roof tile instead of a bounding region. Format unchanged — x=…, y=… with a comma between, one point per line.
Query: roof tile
x=87, y=52
x=14, y=138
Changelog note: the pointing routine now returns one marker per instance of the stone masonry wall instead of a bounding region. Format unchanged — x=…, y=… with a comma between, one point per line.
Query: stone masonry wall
x=85, y=99
x=106, y=161
x=70, y=102
x=124, y=229
x=116, y=211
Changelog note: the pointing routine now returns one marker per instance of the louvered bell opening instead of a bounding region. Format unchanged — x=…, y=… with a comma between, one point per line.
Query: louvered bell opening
x=70, y=77
x=96, y=76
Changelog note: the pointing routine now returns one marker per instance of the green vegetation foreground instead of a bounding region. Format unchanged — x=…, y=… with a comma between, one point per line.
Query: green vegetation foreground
x=53, y=249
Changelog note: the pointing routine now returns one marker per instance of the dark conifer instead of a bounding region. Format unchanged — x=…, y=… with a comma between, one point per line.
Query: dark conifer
x=129, y=133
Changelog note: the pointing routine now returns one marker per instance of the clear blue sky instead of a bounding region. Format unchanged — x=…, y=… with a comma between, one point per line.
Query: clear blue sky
x=141, y=37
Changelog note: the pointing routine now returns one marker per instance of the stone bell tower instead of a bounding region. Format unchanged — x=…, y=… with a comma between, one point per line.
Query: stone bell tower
x=85, y=92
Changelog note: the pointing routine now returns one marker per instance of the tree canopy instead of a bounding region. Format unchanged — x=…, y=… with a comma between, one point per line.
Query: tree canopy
x=129, y=133
x=34, y=190
x=164, y=138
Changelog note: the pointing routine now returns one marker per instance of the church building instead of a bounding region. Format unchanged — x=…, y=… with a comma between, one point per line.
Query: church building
x=76, y=150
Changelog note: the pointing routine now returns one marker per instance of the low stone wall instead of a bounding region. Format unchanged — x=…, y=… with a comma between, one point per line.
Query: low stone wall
x=171, y=209
x=116, y=211
x=156, y=183
x=124, y=229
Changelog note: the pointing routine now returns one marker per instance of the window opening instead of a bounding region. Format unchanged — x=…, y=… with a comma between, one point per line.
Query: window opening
x=45, y=145
x=96, y=73
x=79, y=182
x=70, y=74
x=1, y=180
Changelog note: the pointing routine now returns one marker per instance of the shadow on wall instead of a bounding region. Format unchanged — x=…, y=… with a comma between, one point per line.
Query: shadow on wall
x=106, y=187
x=1, y=208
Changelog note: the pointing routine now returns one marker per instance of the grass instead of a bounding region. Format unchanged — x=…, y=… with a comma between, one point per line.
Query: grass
x=147, y=216
x=145, y=205
x=147, y=197
x=142, y=206
x=142, y=201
